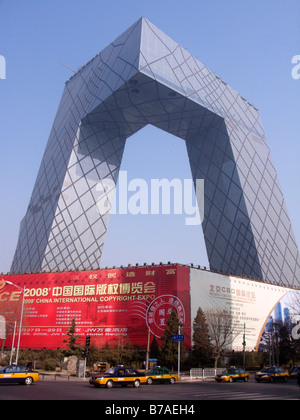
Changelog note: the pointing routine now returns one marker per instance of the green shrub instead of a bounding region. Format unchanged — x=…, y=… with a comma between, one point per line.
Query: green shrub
x=51, y=364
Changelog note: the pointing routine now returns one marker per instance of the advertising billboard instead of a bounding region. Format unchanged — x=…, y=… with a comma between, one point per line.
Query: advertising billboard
x=258, y=310
x=113, y=306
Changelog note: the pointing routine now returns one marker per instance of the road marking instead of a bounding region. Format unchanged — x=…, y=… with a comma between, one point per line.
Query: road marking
x=239, y=396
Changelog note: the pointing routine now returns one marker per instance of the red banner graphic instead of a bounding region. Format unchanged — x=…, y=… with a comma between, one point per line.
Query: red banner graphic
x=112, y=306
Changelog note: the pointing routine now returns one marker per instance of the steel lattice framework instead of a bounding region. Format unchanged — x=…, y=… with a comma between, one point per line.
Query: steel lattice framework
x=141, y=78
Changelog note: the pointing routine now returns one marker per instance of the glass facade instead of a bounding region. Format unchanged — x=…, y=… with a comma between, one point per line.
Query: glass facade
x=144, y=77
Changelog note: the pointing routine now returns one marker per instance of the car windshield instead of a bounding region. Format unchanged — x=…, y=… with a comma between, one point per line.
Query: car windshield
x=110, y=371
x=267, y=370
x=229, y=371
x=9, y=369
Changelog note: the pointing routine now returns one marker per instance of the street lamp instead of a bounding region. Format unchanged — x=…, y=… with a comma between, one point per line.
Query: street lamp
x=21, y=317
x=13, y=337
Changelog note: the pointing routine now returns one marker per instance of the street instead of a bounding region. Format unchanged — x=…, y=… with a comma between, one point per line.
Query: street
x=80, y=389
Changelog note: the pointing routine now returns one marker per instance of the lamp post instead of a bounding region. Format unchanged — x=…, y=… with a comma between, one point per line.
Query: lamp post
x=13, y=342
x=147, y=354
x=13, y=338
x=178, y=350
x=21, y=317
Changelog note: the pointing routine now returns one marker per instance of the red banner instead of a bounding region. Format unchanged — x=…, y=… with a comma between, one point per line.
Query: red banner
x=112, y=306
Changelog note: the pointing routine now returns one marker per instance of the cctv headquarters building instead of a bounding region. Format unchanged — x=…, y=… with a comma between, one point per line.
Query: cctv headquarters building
x=144, y=77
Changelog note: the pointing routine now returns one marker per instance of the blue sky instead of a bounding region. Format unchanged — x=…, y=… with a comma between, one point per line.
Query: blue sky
x=249, y=44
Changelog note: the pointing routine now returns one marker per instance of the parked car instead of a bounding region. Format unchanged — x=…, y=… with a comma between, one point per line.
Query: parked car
x=293, y=373
x=272, y=374
x=233, y=375
x=161, y=375
x=17, y=373
x=118, y=375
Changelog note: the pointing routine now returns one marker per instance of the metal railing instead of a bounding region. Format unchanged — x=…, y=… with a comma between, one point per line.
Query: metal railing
x=207, y=373
x=54, y=375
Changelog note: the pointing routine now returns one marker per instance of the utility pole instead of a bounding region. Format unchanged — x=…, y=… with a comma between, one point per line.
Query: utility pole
x=12, y=344
x=21, y=318
x=244, y=347
x=86, y=352
x=147, y=354
x=179, y=354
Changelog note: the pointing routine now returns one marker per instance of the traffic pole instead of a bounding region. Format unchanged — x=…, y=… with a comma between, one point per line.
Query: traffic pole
x=178, y=354
x=148, y=347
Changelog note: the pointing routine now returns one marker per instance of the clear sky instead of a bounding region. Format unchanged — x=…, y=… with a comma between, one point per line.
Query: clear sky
x=249, y=44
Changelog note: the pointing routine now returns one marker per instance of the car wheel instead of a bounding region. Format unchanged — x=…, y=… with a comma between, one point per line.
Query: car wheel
x=172, y=381
x=136, y=383
x=230, y=379
x=109, y=384
x=271, y=379
x=149, y=381
x=28, y=380
x=246, y=379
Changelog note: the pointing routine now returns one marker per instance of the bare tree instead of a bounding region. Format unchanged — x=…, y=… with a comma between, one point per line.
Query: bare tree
x=223, y=330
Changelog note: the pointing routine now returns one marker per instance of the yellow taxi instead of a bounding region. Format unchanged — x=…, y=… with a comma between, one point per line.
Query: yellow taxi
x=118, y=375
x=18, y=374
x=271, y=374
x=293, y=373
x=161, y=375
x=233, y=375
